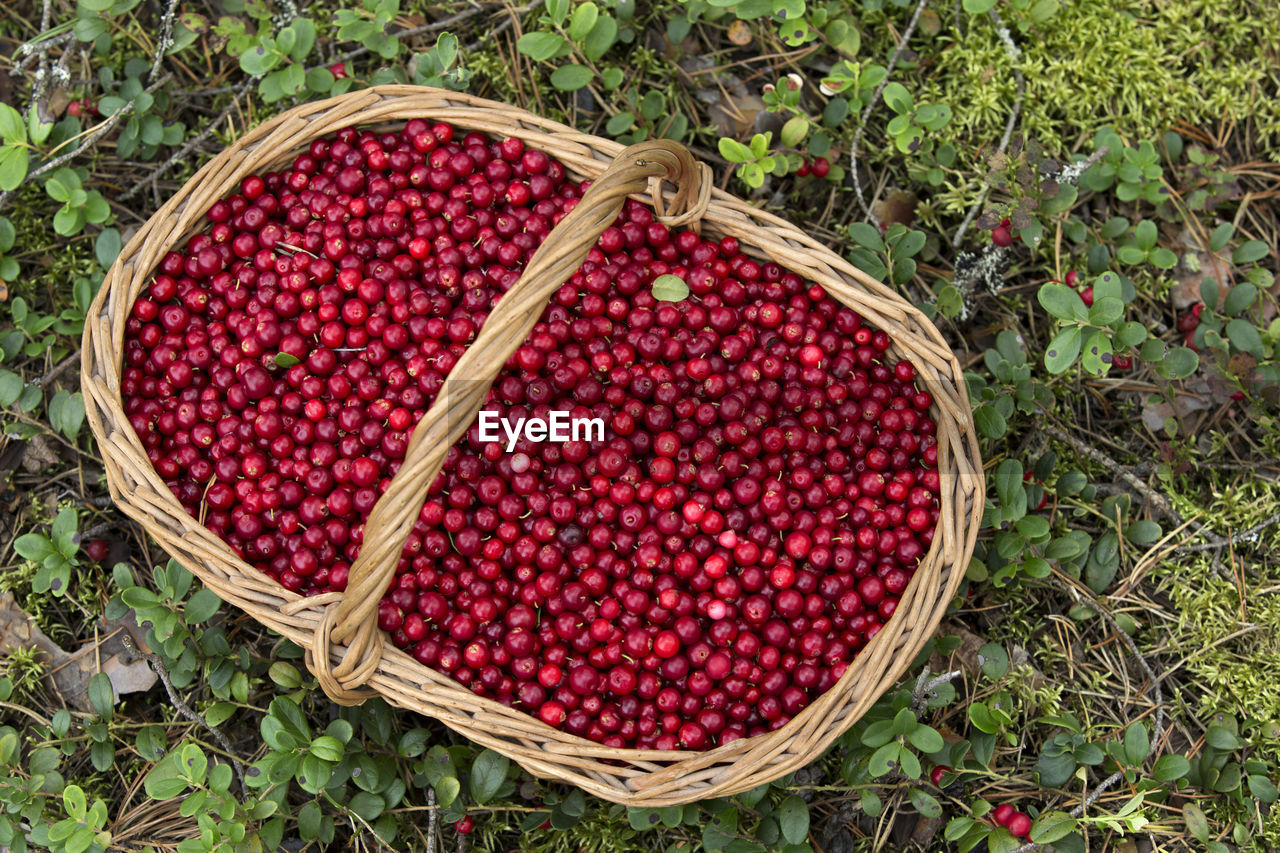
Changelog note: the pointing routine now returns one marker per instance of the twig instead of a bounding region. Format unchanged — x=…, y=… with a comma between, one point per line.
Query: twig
x=923, y=690
x=166, y=38
x=101, y=130
x=157, y=663
x=1234, y=539
x=1014, y=53
x=1159, y=503
x=875, y=98
x=433, y=820
x=191, y=144
x=59, y=369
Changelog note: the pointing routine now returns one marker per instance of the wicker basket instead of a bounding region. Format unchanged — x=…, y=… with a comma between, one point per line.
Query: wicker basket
x=352, y=659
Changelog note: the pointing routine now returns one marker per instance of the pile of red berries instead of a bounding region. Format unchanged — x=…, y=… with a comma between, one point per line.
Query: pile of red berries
x=765, y=489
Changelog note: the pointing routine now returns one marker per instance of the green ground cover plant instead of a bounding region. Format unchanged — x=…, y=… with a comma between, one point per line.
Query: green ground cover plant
x=1083, y=196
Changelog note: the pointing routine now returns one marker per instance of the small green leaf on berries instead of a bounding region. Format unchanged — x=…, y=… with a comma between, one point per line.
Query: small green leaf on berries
x=670, y=288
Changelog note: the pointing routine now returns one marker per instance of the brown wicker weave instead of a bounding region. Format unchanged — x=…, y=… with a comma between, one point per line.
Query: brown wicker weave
x=351, y=657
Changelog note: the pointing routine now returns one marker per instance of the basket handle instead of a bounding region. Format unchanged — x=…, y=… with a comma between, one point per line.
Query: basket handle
x=353, y=619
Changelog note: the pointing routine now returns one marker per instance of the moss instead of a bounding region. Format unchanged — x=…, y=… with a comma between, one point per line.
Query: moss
x=1139, y=65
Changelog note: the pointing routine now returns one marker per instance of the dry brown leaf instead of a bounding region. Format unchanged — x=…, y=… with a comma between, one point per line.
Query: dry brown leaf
x=735, y=115
x=68, y=673
x=897, y=206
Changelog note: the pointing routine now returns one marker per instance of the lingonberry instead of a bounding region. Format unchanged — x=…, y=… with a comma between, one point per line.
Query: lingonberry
x=766, y=483
x=1002, y=814
x=1019, y=825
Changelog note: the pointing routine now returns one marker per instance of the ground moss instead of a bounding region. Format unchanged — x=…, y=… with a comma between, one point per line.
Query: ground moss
x=1139, y=65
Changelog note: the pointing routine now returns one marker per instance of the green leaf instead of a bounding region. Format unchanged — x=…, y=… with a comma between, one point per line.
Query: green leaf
x=1146, y=234
x=867, y=235
x=924, y=802
x=1063, y=350
x=1106, y=311
x=926, y=739
x=794, y=131
x=897, y=97
x=12, y=127
x=1061, y=301
x=101, y=695
x=1263, y=788
x=107, y=247
x=601, y=38
x=978, y=7
x=1052, y=827
x=13, y=165
x=366, y=805
x=995, y=660
x=165, y=782
x=1143, y=532
x=1244, y=336
x=1179, y=362
x=884, y=759
x=73, y=800
x=201, y=606
x=1247, y=253
x=1171, y=768
x=327, y=748
x=570, y=78
x=1221, y=236
x=35, y=547
x=1130, y=334
x=487, y=775
x=1221, y=738
x=620, y=123
x=1197, y=823
x=1137, y=742
x=1094, y=355
x=670, y=288
x=990, y=422
x=793, y=819
x=1240, y=298
x=734, y=151
x=541, y=46
x=447, y=790
x=584, y=21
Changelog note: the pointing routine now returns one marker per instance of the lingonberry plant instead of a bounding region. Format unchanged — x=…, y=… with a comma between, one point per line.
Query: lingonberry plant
x=766, y=489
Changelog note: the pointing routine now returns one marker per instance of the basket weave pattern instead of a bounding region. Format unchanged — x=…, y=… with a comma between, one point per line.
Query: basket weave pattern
x=352, y=659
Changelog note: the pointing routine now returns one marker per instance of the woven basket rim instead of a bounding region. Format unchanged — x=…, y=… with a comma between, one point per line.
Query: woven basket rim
x=632, y=777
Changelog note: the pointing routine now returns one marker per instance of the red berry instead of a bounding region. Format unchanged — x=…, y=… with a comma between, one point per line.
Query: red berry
x=1002, y=237
x=1019, y=825
x=1086, y=296
x=936, y=775
x=1072, y=278
x=97, y=550
x=339, y=72
x=75, y=109
x=465, y=825
x=821, y=167
x=1003, y=814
